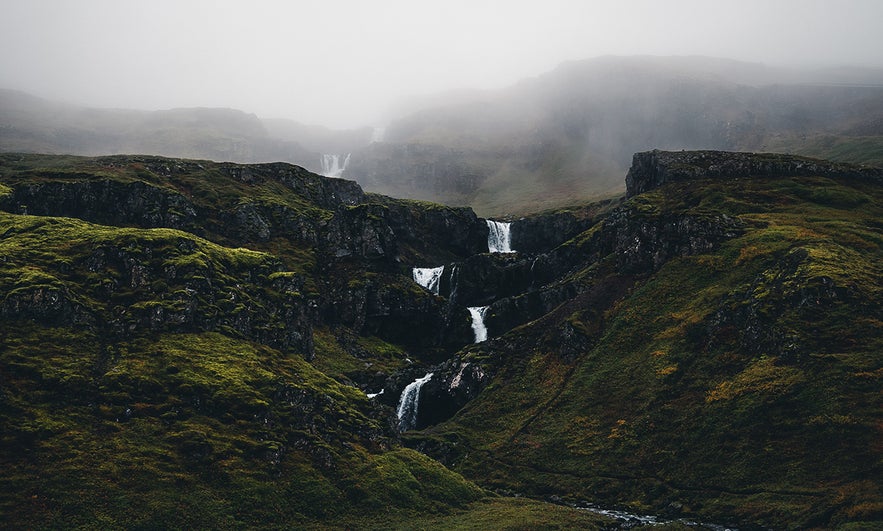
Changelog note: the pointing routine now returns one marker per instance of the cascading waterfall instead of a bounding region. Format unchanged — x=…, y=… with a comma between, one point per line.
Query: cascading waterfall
x=499, y=239
x=428, y=277
x=408, y=403
x=331, y=165
x=477, y=314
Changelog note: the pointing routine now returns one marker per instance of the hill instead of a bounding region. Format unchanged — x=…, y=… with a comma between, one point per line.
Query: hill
x=190, y=343
x=550, y=141
x=571, y=132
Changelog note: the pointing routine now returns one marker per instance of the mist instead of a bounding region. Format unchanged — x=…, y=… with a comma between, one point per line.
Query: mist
x=350, y=64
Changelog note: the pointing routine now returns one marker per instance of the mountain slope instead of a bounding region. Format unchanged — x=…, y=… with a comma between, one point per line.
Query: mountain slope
x=189, y=343
x=718, y=353
x=152, y=378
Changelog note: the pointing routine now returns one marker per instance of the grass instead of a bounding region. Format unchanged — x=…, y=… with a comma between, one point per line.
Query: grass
x=725, y=381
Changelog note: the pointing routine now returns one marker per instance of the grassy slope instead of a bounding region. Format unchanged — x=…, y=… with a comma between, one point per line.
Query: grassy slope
x=177, y=429
x=110, y=423
x=672, y=403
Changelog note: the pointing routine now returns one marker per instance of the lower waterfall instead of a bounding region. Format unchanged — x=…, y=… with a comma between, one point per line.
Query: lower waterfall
x=408, y=402
x=477, y=313
x=428, y=277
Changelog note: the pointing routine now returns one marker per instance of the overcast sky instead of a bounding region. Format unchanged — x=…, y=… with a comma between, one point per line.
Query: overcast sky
x=342, y=63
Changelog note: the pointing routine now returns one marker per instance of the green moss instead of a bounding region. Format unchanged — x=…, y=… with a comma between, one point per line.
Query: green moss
x=668, y=381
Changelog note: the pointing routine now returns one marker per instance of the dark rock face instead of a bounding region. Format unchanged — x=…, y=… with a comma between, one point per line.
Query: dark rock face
x=104, y=201
x=483, y=278
x=45, y=304
x=437, y=232
x=651, y=169
x=544, y=232
x=361, y=231
x=454, y=383
x=643, y=245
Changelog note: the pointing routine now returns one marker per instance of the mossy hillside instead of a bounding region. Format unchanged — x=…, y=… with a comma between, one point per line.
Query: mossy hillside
x=232, y=204
x=194, y=430
x=121, y=408
x=127, y=279
x=739, y=383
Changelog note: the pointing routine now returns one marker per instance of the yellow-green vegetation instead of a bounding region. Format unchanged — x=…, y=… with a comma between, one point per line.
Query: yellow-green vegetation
x=193, y=430
x=152, y=378
x=504, y=514
x=740, y=384
x=165, y=378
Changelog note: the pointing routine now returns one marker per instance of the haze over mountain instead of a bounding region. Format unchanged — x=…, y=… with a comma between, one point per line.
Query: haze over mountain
x=561, y=137
x=345, y=64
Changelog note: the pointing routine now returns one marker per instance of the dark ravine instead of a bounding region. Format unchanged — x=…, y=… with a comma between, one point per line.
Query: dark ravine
x=627, y=339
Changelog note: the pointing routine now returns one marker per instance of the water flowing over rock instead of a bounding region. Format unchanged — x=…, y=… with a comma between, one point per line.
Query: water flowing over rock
x=499, y=238
x=331, y=166
x=428, y=277
x=477, y=314
x=409, y=402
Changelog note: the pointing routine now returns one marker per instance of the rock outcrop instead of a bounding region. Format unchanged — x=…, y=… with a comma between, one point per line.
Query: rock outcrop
x=651, y=169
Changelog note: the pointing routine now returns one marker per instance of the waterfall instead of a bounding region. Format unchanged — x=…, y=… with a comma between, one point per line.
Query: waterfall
x=455, y=275
x=428, y=277
x=377, y=134
x=499, y=239
x=407, y=409
x=331, y=165
x=477, y=314
x=372, y=395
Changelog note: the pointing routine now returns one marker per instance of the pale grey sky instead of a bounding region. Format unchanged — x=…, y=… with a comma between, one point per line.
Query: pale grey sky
x=341, y=63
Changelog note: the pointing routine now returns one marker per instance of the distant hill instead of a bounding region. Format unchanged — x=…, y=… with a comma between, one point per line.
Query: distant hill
x=556, y=139
x=571, y=132
x=35, y=125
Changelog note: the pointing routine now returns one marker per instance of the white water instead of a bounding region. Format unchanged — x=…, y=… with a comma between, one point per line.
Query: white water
x=331, y=165
x=372, y=395
x=632, y=520
x=428, y=277
x=408, y=402
x=477, y=313
x=499, y=239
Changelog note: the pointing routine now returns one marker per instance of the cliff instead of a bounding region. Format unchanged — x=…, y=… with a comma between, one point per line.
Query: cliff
x=651, y=169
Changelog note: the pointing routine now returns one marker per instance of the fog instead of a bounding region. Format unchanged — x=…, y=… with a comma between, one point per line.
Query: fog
x=348, y=63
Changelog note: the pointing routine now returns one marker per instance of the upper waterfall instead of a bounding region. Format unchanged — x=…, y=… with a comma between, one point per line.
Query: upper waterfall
x=331, y=165
x=499, y=238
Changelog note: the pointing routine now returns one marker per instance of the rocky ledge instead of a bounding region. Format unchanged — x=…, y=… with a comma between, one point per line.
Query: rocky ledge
x=651, y=169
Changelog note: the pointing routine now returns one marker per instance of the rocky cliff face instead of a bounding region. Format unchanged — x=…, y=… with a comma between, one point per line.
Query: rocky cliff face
x=651, y=169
